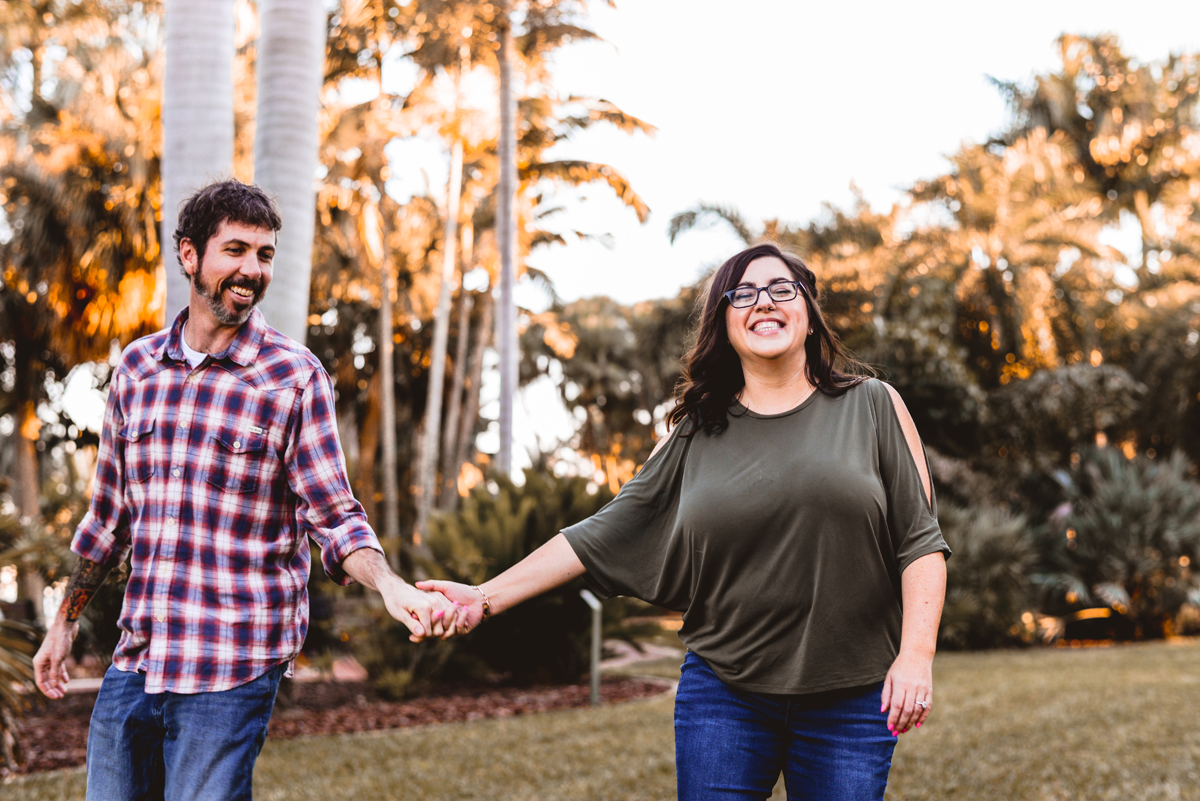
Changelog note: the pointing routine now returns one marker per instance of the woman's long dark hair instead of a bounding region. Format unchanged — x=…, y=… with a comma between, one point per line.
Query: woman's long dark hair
x=712, y=372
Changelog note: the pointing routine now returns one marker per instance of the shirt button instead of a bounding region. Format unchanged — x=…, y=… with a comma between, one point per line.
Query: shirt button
x=176, y=472
x=183, y=425
x=171, y=522
x=237, y=443
x=160, y=618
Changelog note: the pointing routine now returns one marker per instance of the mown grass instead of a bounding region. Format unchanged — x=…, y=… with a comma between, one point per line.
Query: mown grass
x=1045, y=725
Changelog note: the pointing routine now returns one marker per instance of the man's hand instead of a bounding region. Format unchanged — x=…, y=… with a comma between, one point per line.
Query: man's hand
x=426, y=614
x=49, y=665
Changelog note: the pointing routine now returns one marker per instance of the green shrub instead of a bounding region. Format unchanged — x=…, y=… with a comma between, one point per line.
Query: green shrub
x=1127, y=537
x=545, y=639
x=988, y=599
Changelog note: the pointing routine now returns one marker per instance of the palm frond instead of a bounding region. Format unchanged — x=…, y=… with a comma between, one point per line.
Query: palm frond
x=544, y=283
x=18, y=643
x=542, y=38
x=707, y=213
x=577, y=173
x=601, y=110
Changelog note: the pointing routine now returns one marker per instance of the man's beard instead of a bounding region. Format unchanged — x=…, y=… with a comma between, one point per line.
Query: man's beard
x=212, y=296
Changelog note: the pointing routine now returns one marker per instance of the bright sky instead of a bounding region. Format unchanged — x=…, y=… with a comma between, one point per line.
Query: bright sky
x=777, y=107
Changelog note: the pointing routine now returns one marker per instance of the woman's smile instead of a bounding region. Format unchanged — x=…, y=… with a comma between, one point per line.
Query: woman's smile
x=768, y=327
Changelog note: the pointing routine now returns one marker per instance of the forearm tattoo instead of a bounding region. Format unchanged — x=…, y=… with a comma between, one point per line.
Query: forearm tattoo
x=85, y=580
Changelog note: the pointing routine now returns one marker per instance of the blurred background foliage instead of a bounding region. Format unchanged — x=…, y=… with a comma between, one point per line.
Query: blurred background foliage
x=1053, y=377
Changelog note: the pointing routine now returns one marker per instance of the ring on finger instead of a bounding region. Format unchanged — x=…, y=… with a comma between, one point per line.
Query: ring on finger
x=923, y=704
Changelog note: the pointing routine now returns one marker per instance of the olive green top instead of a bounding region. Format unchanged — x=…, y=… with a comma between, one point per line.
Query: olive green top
x=781, y=539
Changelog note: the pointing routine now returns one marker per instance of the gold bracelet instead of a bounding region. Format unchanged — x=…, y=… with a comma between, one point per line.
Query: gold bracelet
x=487, y=602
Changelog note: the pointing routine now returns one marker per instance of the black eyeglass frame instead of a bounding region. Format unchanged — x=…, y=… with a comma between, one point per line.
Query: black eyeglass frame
x=795, y=285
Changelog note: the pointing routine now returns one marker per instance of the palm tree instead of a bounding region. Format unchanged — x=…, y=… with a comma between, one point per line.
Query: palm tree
x=1016, y=215
x=79, y=174
x=1128, y=125
x=290, y=67
x=427, y=460
x=440, y=31
x=466, y=302
x=506, y=239
x=197, y=115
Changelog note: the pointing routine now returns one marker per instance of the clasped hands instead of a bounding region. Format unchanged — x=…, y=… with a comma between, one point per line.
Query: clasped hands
x=440, y=609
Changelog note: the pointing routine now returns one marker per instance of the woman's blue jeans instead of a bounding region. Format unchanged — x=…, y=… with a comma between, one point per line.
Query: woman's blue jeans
x=176, y=747
x=729, y=744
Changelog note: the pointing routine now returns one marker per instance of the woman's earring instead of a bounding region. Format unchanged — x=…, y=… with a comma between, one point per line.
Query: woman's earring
x=810, y=332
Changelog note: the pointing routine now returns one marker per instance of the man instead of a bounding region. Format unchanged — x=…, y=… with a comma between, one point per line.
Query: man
x=219, y=455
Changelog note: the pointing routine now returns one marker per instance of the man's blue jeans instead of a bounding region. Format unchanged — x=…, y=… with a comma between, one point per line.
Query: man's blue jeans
x=730, y=744
x=176, y=747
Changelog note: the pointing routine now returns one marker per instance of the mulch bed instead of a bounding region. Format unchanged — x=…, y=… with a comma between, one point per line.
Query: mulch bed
x=54, y=733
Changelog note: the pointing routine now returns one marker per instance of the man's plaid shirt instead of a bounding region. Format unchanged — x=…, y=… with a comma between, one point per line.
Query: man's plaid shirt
x=210, y=479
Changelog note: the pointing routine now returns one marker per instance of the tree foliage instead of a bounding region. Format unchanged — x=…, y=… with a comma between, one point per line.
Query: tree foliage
x=1126, y=537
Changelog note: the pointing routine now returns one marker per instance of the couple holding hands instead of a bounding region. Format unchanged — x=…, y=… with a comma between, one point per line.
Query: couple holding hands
x=788, y=514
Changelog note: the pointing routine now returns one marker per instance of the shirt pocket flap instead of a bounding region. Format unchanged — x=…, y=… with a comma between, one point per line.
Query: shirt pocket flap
x=139, y=450
x=136, y=431
x=241, y=441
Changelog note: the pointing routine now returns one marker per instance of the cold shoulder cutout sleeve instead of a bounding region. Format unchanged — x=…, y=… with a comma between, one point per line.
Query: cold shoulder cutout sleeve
x=634, y=545
x=912, y=519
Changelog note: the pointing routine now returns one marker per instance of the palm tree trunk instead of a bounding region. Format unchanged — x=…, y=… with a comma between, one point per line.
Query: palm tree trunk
x=447, y=493
x=506, y=240
x=391, y=490
x=28, y=508
x=291, y=60
x=1141, y=208
x=427, y=458
x=197, y=116
x=470, y=416
x=368, y=447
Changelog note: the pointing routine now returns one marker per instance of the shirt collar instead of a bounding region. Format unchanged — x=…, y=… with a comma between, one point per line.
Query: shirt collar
x=243, y=350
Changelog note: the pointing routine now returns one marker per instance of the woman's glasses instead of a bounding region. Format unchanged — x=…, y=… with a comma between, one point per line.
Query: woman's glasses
x=780, y=292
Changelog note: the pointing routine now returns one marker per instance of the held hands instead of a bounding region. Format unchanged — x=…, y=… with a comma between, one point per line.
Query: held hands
x=468, y=600
x=907, y=692
x=425, y=614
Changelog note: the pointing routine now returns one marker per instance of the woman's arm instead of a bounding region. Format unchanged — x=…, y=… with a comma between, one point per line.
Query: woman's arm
x=923, y=590
x=910, y=679
x=550, y=566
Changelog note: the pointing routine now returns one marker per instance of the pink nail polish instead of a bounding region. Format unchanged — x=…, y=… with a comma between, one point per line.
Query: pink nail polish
x=918, y=725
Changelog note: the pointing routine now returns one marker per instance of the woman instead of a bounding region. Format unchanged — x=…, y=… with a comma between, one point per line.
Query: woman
x=789, y=515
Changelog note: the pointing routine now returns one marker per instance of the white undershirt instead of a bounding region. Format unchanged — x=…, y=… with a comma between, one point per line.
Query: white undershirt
x=194, y=357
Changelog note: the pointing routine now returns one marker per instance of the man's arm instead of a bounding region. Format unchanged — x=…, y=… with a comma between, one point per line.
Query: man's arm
x=50, y=670
x=424, y=613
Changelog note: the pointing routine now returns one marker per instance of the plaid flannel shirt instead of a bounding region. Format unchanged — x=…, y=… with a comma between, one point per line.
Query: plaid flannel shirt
x=210, y=479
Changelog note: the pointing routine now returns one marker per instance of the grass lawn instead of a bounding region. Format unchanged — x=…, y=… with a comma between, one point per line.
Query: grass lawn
x=1103, y=723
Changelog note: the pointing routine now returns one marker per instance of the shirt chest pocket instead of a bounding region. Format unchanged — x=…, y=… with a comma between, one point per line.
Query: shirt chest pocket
x=238, y=461
x=138, y=440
